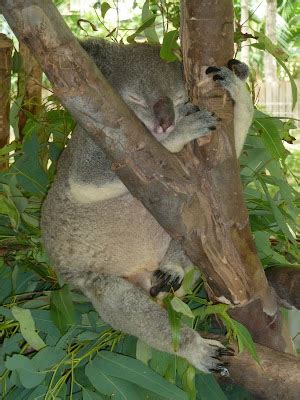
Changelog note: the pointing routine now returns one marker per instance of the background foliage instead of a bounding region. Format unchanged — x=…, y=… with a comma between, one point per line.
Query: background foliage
x=53, y=343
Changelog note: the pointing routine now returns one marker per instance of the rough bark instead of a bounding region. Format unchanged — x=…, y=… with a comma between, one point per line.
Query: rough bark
x=6, y=46
x=29, y=86
x=229, y=258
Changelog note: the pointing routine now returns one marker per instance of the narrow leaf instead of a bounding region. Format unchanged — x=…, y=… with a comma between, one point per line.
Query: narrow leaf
x=169, y=45
x=27, y=327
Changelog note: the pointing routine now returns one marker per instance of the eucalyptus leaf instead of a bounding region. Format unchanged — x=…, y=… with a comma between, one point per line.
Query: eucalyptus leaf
x=109, y=385
x=62, y=309
x=27, y=327
x=169, y=45
x=244, y=338
x=120, y=366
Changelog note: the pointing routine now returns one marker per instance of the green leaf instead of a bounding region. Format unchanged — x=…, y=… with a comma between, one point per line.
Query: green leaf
x=182, y=308
x=143, y=352
x=270, y=135
x=30, y=174
x=27, y=372
x=89, y=395
x=280, y=219
x=208, y=388
x=188, y=381
x=175, y=322
x=62, y=309
x=27, y=327
x=244, y=338
x=47, y=357
x=120, y=366
x=169, y=45
x=146, y=24
x=7, y=207
x=150, y=33
x=109, y=385
x=104, y=8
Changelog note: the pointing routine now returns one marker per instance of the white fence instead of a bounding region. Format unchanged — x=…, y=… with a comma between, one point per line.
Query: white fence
x=276, y=99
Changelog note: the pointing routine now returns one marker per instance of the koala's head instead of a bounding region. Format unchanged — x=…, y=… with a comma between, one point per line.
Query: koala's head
x=151, y=87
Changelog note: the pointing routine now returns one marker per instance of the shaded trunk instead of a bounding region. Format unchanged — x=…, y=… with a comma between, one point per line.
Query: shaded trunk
x=6, y=46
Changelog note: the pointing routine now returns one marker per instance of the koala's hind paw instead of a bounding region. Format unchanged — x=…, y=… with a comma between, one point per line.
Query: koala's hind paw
x=166, y=278
x=207, y=356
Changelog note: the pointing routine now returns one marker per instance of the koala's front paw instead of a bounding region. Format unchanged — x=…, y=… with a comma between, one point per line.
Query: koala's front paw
x=198, y=123
x=207, y=356
x=167, y=277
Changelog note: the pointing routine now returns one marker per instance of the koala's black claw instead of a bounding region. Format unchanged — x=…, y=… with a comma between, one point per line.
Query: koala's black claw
x=225, y=352
x=209, y=70
x=164, y=282
x=212, y=128
x=218, y=78
x=233, y=62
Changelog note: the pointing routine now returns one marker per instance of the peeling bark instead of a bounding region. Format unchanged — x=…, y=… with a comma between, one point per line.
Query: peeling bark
x=229, y=258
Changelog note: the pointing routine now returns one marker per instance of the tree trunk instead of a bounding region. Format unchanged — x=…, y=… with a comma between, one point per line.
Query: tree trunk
x=6, y=46
x=244, y=22
x=29, y=86
x=229, y=259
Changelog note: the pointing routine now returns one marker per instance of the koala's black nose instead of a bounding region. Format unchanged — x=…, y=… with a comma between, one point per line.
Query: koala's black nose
x=166, y=123
x=164, y=114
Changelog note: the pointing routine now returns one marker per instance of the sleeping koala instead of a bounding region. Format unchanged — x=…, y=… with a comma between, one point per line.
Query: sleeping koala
x=99, y=237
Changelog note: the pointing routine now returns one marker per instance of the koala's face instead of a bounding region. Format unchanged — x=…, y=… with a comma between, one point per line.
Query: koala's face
x=154, y=90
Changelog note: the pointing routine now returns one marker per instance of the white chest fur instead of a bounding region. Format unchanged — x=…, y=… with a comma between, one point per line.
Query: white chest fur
x=89, y=193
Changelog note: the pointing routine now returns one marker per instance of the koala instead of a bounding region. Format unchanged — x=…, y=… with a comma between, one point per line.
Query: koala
x=99, y=237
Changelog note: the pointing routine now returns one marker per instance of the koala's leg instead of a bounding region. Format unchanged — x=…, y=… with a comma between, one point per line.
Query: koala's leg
x=170, y=274
x=232, y=79
x=128, y=308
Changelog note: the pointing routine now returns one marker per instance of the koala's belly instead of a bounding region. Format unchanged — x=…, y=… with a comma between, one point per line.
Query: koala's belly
x=118, y=237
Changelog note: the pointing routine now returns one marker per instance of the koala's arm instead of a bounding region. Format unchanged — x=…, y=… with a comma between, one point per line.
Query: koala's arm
x=128, y=308
x=194, y=123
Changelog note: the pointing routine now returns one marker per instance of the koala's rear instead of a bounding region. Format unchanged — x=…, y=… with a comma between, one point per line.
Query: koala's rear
x=101, y=239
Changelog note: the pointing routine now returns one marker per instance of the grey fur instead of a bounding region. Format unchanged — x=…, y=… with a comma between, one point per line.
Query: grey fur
x=100, y=238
